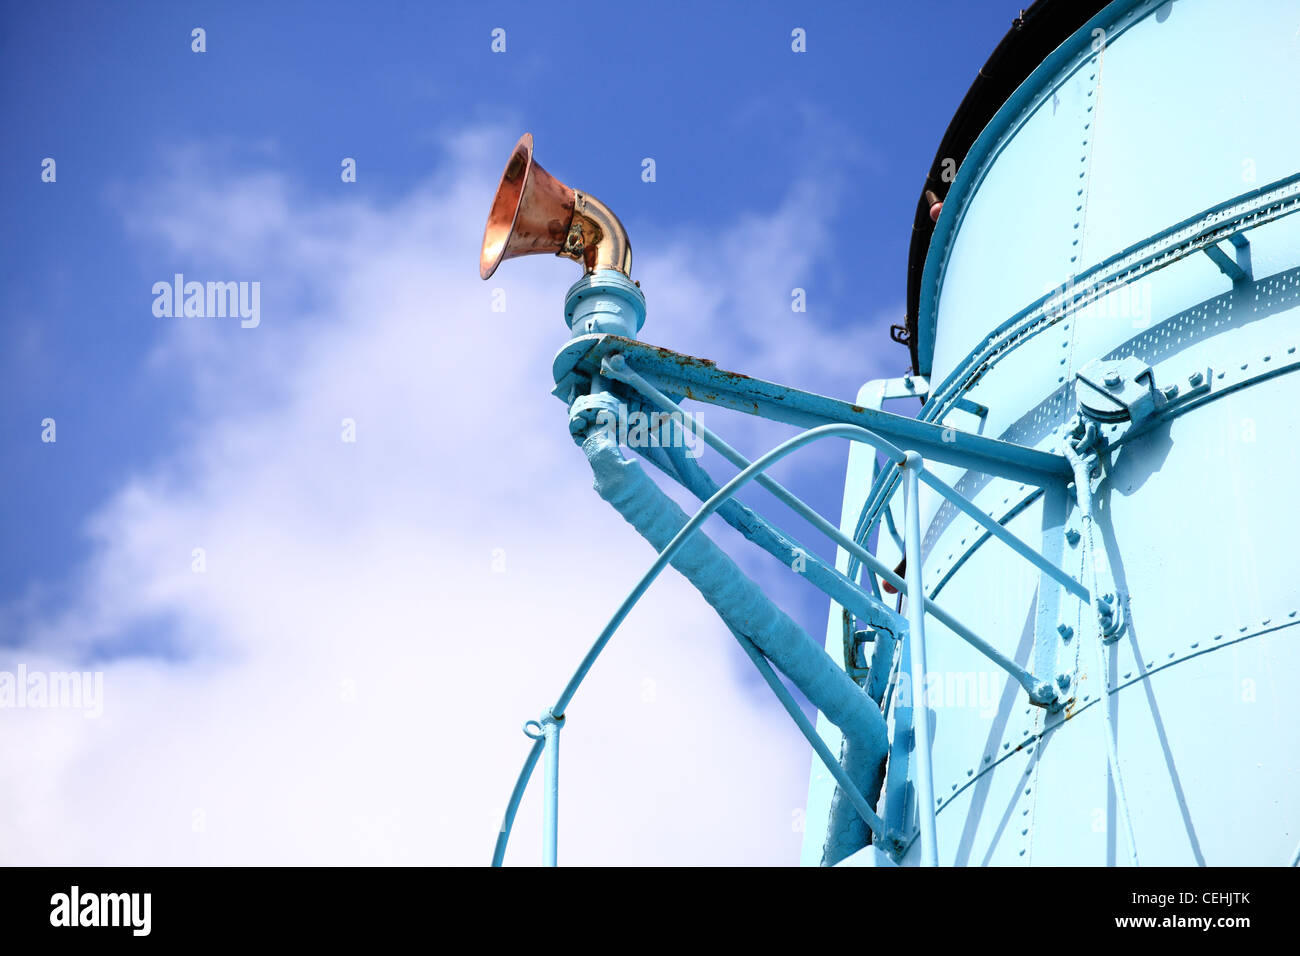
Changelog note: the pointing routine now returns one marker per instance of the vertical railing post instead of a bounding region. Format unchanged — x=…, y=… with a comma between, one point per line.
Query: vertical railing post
x=550, y=825
x=916, y=639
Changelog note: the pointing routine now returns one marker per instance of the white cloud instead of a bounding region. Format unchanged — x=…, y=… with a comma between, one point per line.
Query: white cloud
x=346, y=680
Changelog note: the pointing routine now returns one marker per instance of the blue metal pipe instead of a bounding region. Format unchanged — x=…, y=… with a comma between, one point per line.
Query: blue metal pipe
x=745, y=608
x=778, y=543
x=882, y=665
x=916, y=647
x=516, y=795
x=1002, y=534
x=783, y=450
x=698, y=378
x=551, y=814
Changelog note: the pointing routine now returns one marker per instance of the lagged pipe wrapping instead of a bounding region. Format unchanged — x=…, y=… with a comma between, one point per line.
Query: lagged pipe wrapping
x=744, y=606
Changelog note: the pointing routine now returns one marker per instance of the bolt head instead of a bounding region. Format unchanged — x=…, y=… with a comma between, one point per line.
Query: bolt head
x=1063, y=680
x=1113, y=378
x=1072, y=536
x=1195, y=379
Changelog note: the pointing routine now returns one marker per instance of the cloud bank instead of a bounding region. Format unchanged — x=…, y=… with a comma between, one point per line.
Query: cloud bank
x=344, y=679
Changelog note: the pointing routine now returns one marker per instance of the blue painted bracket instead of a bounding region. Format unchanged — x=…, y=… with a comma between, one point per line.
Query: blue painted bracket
x=702, y=380
x=1118, y=390
x=878, y=391
x=1236, y=267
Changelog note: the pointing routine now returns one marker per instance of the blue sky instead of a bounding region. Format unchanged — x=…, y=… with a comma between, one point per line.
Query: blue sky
x=773, y=170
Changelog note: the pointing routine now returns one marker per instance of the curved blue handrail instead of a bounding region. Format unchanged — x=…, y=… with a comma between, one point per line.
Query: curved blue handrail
x=760, y=465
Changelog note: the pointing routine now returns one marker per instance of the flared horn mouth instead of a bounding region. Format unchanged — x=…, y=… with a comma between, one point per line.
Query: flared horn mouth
x=533, y=212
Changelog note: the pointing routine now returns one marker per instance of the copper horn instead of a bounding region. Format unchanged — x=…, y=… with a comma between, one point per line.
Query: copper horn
x=533, y=212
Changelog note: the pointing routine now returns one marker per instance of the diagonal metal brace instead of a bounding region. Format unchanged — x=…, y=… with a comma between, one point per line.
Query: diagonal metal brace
x=700, y=379
x=1237, y=266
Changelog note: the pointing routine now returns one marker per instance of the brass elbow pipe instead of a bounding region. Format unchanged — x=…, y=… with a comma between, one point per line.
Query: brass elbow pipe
x=596, y=238
x=533, y=212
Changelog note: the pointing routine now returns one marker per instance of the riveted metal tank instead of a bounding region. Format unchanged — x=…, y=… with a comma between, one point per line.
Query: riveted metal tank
x=1116, y=241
